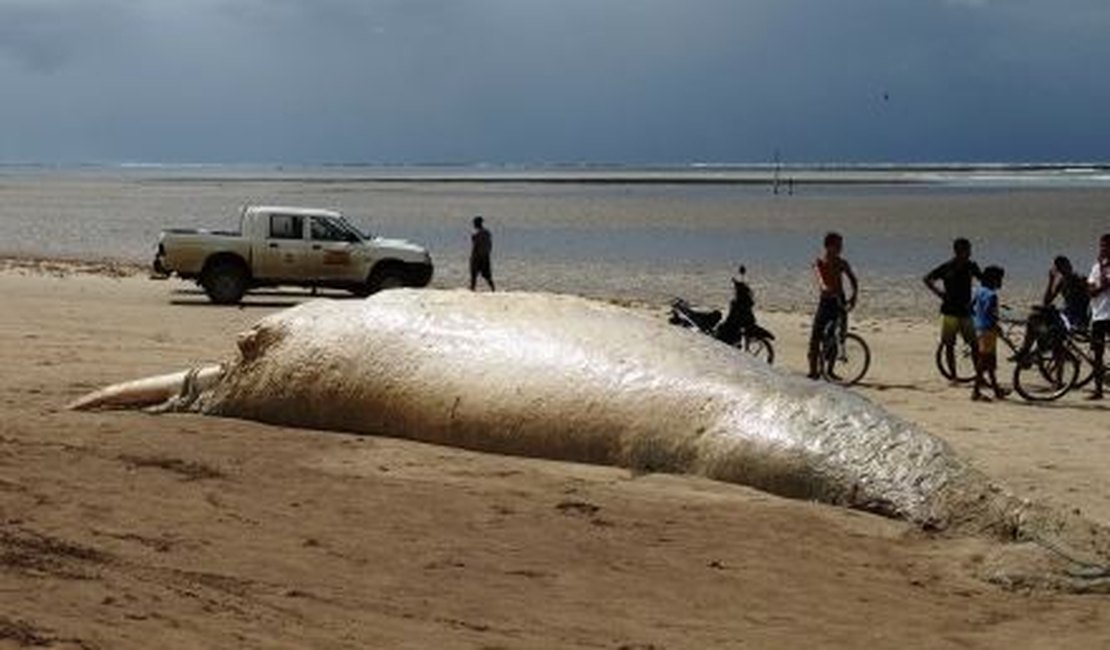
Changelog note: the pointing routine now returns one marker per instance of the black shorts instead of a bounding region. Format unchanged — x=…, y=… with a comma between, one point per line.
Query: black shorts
x=828, y=310
x=480, y=266
x=1100, y=330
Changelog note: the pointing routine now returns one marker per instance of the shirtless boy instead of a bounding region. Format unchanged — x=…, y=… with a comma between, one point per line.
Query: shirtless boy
x=830, y=270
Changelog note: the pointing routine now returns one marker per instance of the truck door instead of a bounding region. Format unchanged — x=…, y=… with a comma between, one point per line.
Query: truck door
x=331, y=252
x=284, y=254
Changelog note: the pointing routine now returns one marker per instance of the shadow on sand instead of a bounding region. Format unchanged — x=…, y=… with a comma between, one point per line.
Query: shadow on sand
x=1070, y=405
x=270, y=299
x=885, y=386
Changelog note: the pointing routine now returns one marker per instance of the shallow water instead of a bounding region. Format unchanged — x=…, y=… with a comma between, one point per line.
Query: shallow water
x=632, y=234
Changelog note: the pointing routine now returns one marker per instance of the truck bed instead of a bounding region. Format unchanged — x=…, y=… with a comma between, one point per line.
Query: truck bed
x=203, y=231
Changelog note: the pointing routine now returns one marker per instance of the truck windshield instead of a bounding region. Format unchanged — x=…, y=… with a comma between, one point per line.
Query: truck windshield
x=350, y=229
x=365, y=234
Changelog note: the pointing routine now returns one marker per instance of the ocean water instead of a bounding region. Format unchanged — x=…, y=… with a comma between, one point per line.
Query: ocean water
x=624, y=233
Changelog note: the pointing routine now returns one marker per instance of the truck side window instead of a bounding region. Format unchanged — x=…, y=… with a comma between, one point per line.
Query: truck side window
x=286, y=226
x=326, y=230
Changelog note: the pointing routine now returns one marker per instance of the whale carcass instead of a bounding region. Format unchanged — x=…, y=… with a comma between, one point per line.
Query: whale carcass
x=567, y=378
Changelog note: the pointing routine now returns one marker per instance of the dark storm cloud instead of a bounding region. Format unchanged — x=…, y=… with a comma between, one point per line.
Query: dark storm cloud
x=45, y=34
x=532, y=80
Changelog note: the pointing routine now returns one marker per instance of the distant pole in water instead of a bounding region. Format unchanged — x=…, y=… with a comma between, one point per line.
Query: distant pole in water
x=778, y=169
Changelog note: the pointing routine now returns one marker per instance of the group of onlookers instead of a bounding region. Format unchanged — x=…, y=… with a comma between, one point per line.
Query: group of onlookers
x=973, y=313
x=971, y=310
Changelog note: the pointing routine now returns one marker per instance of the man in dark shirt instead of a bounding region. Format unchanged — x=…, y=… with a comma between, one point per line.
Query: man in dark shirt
x=955, y=307
x=481, y=245
x=1064, y=281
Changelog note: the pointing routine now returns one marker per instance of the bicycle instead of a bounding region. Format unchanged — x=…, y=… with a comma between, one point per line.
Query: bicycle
x=964, y=356
x=1050, y=366
x=844, y=357
x=963, y=369
x=1079, y=341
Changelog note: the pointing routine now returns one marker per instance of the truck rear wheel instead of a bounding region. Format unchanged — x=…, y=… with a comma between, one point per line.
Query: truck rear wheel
x=225, y=282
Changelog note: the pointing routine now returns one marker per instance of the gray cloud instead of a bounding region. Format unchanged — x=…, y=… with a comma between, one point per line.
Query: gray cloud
x=529, y=80
x=44, y=35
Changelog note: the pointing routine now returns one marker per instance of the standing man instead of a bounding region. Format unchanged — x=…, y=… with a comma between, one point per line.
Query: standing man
x=830, y=270
x=955, y=301
x=1099, y=284
x=481, y=245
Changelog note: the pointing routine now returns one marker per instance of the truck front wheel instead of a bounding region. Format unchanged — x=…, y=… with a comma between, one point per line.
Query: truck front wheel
x=384, y=276
x=225, y=282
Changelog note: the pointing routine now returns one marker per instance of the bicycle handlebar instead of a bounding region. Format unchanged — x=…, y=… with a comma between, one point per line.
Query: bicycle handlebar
x=847, y=306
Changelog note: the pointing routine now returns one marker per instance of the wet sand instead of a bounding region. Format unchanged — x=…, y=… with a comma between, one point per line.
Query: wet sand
x=643, y=238
x=121, y=528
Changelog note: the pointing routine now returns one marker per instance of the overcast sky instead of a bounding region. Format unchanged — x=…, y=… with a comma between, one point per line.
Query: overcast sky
x=526, y=81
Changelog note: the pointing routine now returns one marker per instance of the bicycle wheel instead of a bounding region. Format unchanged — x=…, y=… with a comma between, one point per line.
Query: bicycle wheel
x=758, y=348
x=1078, y=344
x=965, y=363
x=1045, y=375
x=846, y=361
x=1085, y=376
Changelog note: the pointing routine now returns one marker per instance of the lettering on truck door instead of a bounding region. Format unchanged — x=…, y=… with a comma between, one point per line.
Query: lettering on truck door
x=285, y=249
x=332, y=252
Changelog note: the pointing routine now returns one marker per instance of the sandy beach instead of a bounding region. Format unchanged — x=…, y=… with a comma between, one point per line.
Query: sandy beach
x=557, y=465
x=127, y=530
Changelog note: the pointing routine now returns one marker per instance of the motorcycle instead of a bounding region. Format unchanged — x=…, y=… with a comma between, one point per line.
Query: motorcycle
x=738, y=330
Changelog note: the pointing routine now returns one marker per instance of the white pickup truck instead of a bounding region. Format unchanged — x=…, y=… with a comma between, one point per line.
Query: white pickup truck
x=289, y=246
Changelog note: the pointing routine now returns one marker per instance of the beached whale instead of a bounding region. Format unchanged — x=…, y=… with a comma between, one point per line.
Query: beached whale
x=567, y=378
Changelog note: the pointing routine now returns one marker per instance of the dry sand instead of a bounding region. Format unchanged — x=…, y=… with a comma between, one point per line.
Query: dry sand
x=128, y=530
